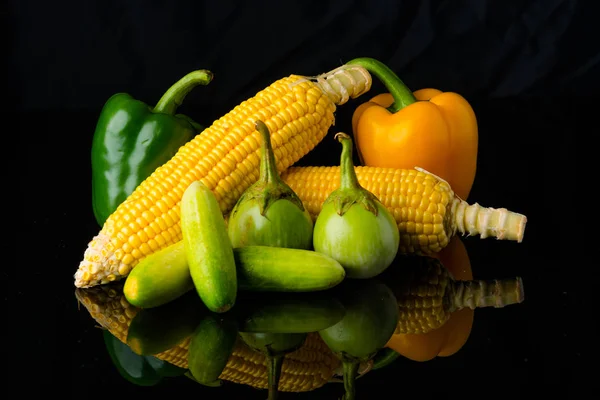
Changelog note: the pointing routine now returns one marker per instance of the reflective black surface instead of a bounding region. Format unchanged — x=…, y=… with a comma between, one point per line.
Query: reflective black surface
x=528, y=135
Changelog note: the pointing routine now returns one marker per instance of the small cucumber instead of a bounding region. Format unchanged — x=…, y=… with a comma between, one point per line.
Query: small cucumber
x=210, y=347
x=208, y=249
x=159, y=278
x=268, y=269
x=154, y=330
x=288, y=312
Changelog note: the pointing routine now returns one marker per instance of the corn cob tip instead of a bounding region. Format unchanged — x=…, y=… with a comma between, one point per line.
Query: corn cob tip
x=497, y=293
x=343, y=83
x=99, y=265
x=473, y=219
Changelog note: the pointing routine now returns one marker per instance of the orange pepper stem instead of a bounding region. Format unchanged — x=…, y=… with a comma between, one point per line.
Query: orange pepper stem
x=402, y=95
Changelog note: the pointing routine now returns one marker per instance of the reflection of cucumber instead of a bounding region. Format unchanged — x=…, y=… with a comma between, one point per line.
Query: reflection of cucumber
x=216, y=383
x=210, y=347
x=154, y=330
x=289, y=313
x=131, y=366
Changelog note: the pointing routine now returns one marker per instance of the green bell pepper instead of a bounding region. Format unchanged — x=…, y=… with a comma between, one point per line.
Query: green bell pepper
x=132, y=140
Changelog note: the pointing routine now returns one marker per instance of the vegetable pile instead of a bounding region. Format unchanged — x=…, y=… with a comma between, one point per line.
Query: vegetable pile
x=218, y=213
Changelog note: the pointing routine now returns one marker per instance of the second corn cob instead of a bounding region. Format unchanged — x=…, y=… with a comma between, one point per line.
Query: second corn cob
x=426, y=209
x=298, y=111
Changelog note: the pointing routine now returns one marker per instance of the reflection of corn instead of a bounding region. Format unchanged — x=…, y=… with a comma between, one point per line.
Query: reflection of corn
x=309, y=367
x=427, y=293
x=425, y=207
x=225, y=157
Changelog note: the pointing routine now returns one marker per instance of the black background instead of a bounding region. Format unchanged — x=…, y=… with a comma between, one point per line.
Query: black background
x=529, y=69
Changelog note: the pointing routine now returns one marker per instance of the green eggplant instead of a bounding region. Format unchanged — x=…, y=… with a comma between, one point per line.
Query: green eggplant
x=266, y=210
x=274, y=346
x=370, y=320
x=354, y=227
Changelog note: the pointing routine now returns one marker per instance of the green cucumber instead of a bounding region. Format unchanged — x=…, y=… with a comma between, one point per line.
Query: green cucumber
x=259, y=269
x=288, y=312
x=159, y=278
x=278, y=269
x=210, y=347
x=154, y=330
x=208, y=249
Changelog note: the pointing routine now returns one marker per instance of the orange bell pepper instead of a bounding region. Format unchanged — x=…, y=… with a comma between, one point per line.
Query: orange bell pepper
x=452, y=336
x=429, y=129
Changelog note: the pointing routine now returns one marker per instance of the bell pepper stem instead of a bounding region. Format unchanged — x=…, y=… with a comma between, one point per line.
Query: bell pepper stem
x=402, y=95
x=173, y=97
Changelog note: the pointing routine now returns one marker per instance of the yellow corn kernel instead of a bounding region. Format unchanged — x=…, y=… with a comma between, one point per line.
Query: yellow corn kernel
x=225, y=157
x=410, y=195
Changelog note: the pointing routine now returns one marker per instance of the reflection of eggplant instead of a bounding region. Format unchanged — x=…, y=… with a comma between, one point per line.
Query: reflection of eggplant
x=211, y=346
x=370, y=319
x=288, y=312
x=427, y=293
x=154, y=330
x=274, y=346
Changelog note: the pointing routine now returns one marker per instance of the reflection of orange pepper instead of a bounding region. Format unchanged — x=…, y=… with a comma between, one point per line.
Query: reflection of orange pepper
x=430, y=129
x=451, y=336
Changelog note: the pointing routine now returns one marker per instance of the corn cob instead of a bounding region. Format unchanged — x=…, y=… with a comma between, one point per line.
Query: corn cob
x=425, y=207
x=427, y=293
x=305, y=369
x=298, y=112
